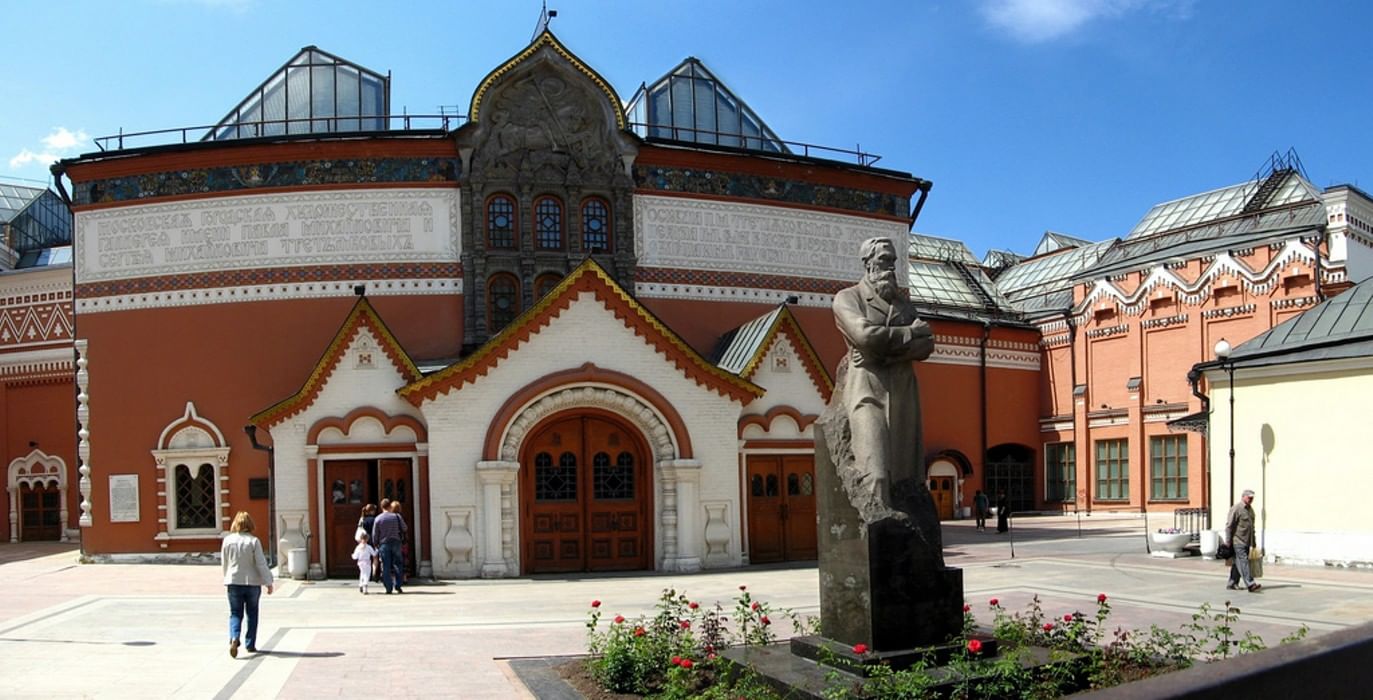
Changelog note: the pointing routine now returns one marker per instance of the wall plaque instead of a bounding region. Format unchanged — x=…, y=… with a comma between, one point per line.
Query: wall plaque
x=123, y=498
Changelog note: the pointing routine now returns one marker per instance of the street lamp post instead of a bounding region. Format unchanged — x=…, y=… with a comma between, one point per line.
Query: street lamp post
x=1223, y=353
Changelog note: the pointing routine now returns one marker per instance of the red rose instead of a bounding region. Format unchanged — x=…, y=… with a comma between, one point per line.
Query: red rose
x=693, y=606
x=686, y=624
x=975, y=646
x=860, y=648
x=743, y=588
x=967, y=608
x=676, y=660
x=764, y=619
x=711, y=656
x=595, y=603
x=619, y=619
x=993, y=602
x=638, y=631
x=1101, y=598
x=755, y=605
x=686, y=663
x=1048, y=627
x=1068, y=618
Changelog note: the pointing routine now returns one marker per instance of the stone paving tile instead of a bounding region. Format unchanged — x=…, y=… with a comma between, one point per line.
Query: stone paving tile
x=69, y=630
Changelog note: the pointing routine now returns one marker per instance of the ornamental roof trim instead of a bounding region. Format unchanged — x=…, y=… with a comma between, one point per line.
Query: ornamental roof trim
x=546, y=40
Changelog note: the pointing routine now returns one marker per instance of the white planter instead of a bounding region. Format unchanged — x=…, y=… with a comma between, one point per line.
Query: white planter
x=1171, y=543
x=1210, y=541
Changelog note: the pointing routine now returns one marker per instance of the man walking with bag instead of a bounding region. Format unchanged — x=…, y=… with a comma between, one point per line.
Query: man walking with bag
x=1239, y=529
x=388, y=531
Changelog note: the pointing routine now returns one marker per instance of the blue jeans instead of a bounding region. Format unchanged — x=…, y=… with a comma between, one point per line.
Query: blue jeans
x=243, y=599
x=391, y=561
x=1239, y=566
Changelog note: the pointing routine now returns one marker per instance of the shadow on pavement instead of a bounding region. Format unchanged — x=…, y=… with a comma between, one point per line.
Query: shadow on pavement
x=77, y=641
x=22, y=551
x=297, y=654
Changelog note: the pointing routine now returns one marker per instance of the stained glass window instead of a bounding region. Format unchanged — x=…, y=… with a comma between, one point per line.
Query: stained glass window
x=195, y=497
x=595, y=227
x=548, y=224
x=555, y=482
x=500, y=222
x=503, y=301
x=613, y=481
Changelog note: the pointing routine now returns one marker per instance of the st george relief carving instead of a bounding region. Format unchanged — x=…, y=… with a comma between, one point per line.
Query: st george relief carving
x=547, y=124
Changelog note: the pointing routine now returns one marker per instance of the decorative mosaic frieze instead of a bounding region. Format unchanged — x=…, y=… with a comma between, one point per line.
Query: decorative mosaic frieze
x=714, y=278
x=35, y=320
x=727, y=184
x=349, y=171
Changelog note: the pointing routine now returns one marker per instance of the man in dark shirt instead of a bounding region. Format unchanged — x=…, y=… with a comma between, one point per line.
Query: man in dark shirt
x=388, y=531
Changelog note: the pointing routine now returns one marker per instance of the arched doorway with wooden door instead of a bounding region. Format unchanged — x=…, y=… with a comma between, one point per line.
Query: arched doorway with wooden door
x=585, y=494
x=781, y=507
x=946, y=471
x=37, y=486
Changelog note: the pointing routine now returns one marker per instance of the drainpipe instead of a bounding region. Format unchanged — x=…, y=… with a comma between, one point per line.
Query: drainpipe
x=251, y=430
x=1072, y=397
x=1194, y=380
x=924, y=188
x=1316, y=276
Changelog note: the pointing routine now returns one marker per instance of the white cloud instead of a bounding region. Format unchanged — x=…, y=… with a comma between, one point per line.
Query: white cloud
x=61, y=139
x=61, y=142
x=1033, y=21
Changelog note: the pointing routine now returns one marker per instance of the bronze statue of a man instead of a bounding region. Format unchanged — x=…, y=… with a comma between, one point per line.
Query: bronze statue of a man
x=876, y=387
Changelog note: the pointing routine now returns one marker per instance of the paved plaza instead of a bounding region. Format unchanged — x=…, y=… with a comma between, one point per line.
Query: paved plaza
x=73, y=630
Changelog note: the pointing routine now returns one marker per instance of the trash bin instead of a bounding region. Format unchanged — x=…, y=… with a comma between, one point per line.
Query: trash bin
x=297, y=563
x=1210, y=541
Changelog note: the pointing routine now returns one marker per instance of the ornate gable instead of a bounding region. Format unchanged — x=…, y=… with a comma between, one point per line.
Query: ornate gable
x=545, y=117
x=385, y=349
x=744, y=350
x=587, y=277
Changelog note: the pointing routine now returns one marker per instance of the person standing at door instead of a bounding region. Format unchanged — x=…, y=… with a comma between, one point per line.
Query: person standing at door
x=365, y=522
x=245, y=573
x=981, y=504
x=1003, y=512
x=388, y=532
x=1239, y=532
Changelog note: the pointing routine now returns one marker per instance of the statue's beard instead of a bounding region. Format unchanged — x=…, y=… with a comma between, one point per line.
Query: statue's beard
x=884, y=281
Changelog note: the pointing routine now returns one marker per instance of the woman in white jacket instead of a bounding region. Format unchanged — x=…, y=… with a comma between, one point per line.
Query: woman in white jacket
x=245, y=573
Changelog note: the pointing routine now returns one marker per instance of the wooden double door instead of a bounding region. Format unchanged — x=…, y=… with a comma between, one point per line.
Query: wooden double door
x=781, y=508
x=942, y=491
x=40, y=512
x=351, y=484
x=584, y=494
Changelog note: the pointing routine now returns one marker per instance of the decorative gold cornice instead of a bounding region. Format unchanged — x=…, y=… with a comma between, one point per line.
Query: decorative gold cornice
x=546, y=39
x=587, y=276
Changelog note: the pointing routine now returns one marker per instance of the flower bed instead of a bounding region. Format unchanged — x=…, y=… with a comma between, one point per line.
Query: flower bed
x=675, y=653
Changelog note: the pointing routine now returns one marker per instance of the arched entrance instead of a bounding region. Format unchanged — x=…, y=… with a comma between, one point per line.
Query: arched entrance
x=37, y=486
x=944, y=488
x=1010, y=470
x=584, y=493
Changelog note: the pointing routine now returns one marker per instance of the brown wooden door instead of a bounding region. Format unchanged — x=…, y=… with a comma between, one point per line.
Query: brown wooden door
x=584, y=482
x=345, y=493
x=394, y=482
x=40, y=512
x=781, y=507
x=941, y=489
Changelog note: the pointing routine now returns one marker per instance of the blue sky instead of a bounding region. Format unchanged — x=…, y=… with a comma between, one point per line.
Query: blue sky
x=1070, y=115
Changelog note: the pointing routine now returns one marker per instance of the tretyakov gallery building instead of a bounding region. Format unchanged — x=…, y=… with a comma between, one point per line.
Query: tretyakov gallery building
x=567, y=334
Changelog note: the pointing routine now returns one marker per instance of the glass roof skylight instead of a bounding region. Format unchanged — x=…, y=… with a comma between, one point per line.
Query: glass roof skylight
x=1058, y=267
x=315, y=92
x=1217, y=204
x=925, y=247
x=691, y=104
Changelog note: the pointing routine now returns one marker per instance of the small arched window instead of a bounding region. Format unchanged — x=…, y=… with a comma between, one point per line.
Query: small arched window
x=548, y=223
x=502, y=301
x=195, y=497
x=595, y=226
x=544, y=283
x=500, y=222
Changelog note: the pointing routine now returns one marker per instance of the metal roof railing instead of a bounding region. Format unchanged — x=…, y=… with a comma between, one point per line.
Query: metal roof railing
x=686, y=134
x=260, y=129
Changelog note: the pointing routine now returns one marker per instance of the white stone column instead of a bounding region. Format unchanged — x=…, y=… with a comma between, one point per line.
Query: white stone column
x=681, y=519
x=14, y=513
x=494, y=475
x=83, y=434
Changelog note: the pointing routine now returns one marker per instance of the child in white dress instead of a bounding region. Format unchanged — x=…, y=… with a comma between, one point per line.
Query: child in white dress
x=364, y=553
